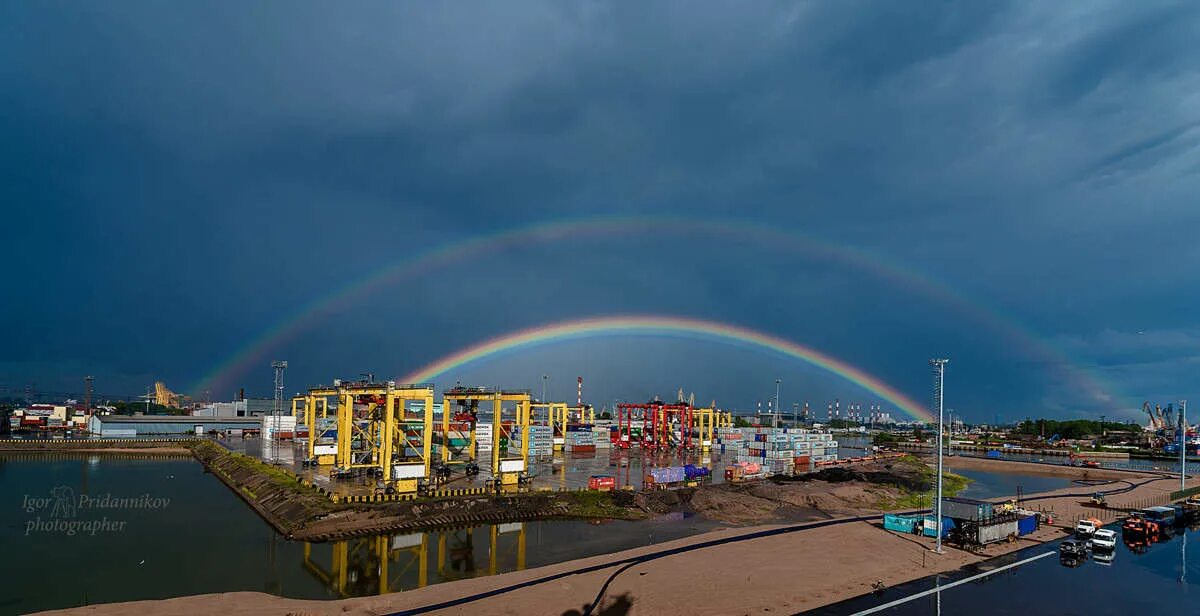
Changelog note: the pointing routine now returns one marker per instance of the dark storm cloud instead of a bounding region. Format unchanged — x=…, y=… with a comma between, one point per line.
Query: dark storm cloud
x=185, y=176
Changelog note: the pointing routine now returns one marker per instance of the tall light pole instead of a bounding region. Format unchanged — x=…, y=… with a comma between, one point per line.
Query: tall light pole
x=545, y=377
x=777, y=383
x=1182, y=445
x=939, y=372
x=278, y=367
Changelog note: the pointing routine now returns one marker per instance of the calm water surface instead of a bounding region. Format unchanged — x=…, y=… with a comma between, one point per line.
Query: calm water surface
x=180, y=531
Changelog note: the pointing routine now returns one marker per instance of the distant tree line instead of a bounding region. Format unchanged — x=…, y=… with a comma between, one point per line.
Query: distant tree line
x=1072, y=429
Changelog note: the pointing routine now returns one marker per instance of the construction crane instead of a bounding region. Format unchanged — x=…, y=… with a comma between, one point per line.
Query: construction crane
x=1162, y=427
x=1154, y=414
x=165, y=397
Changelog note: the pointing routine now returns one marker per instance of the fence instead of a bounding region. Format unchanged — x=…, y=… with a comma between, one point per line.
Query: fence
x=1181, y=494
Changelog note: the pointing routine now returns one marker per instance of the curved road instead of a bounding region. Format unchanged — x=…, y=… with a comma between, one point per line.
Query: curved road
x=627, y=563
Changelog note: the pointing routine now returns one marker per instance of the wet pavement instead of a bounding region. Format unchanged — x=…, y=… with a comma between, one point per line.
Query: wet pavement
x=563, y=471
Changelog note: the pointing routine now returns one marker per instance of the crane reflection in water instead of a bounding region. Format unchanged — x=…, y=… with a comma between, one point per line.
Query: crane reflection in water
x=382, y=564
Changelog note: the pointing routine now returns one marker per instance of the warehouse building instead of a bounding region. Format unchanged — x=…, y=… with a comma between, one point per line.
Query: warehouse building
x=115, y=426
x=252, y=407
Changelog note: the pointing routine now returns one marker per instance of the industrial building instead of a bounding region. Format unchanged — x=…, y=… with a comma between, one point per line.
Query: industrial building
x=237, y=408
x=166, y=425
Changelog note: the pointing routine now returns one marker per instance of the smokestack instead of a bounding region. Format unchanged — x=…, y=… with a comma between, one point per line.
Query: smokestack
x=242, y=394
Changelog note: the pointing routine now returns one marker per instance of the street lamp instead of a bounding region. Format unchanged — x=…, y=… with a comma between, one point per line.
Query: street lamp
x=545, y=377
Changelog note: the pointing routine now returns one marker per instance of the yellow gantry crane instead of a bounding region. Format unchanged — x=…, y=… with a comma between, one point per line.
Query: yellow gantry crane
x=463, y=402
x=508, y=470
x=704, y=421
x=321, y=453
x=383, y=427
x=511, y=416
x=378, y=419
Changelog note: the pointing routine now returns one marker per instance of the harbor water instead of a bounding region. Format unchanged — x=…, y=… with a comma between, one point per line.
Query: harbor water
x=157, y=528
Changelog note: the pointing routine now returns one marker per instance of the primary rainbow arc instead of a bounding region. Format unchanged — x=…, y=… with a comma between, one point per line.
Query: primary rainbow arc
x=666, y=326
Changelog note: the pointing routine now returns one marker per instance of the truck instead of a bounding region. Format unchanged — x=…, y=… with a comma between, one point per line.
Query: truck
x=1084, y=529
x=1104, y=539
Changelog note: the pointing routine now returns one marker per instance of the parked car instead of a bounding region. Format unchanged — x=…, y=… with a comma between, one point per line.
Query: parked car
x=1104, y=539
x=1071, y=547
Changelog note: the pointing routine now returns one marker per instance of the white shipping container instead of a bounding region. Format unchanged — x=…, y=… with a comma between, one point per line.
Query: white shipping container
x=325, y=450
x=406, y=541
x=512, y=466
x=408, y=471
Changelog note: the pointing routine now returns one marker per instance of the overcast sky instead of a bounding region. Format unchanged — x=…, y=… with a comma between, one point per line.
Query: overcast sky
x=180, y=178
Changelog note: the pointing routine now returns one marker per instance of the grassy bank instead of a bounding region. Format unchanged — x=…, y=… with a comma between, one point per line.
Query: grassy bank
x=916, y=491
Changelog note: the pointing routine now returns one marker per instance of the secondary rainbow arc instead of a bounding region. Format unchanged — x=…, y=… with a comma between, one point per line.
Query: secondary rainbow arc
x=254, y=351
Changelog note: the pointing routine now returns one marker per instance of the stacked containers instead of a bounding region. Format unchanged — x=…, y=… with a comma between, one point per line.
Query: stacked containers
x=541, y=441
x=780, y=450
x=483, y=439
x=580, y=441
x=602, y=436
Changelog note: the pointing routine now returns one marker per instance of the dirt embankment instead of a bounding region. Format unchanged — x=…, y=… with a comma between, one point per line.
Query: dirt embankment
x=278, y=496
x=829, y=493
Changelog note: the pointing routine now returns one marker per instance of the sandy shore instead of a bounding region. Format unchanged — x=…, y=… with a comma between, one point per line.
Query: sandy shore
x=786, y=573
x=957, y=463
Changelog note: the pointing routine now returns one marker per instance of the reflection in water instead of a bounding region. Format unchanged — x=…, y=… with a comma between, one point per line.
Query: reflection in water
x=383, y=564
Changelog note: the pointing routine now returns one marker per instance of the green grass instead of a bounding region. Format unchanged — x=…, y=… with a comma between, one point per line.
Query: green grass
x=952, y=484
x=232, y=461
x=593, y=504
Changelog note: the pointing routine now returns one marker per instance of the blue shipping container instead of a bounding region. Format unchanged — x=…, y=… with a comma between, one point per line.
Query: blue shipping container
x=1027, y=524
x=900, y=523
x=931, y=530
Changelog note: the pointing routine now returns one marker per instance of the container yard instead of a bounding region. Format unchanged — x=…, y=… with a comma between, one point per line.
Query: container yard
x=362, y=438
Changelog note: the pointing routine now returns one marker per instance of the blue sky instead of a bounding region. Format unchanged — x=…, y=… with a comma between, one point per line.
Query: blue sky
x=181, y=177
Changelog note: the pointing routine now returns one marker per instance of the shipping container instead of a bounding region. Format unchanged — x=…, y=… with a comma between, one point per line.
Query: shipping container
x=966, y=509
x=929, y=526
x=992, y=533
x=901, y=523
x=602, y=482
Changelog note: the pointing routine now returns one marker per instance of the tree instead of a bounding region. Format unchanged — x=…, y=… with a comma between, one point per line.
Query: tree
x=740, y=422
x=884, y=438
